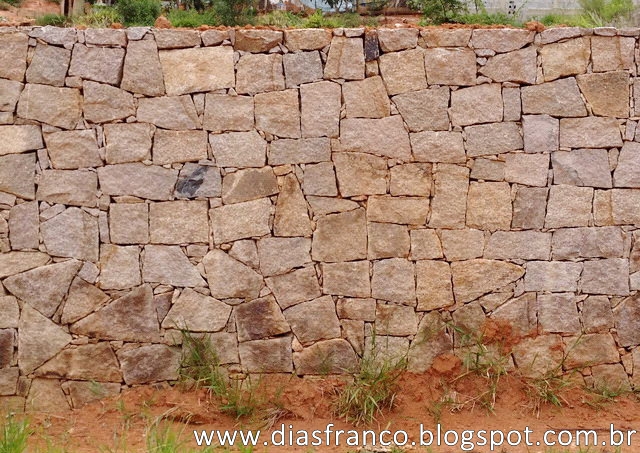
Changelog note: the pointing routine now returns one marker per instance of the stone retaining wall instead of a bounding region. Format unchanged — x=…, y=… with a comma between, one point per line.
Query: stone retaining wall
x=297, y=194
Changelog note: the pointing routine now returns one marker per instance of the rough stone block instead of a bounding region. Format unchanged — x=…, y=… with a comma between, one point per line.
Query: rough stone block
x=223, y=113
x=241, y=220
x=479, y=104
x=553, y=276
x=425, y=109
x=128, y=142
x=320, y=109
x=461, y=245
x=169, y=112
x=142, y=72
x=383, y=137
x=527, y=169
x=590, y=132
x=345, y=59
x=440, y=146
x=565, y=58
x=301, y=67
x=449, y=205
x=138, y=180
x=558, y=313
x=196, y=70
x=340, y=237
x=270, y=66
x=129, y=223
x=239, y=149
x=607, y=276
x=366, y=98
x=314, y=320
x=60, y=107
x=489, y=206
x=582, y=167
x=518, y=66
x=387, y=240
x=433, y=285
x=178, y=222
x=278, y=113
x=401, y=210
x=568, y=206
x=450, y=66
x=297, y=286
x=494, y=138
x=559, y=98
x=606, y=93
x=525, y=245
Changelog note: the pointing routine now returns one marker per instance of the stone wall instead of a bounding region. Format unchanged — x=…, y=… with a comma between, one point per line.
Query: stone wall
x=297, y=194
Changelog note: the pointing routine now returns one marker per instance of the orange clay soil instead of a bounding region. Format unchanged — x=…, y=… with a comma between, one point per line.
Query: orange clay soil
x=307, y=405
x=28, y=11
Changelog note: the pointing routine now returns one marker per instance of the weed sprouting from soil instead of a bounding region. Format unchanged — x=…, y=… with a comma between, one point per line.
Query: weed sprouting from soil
x=373, y=388
x=14, y=435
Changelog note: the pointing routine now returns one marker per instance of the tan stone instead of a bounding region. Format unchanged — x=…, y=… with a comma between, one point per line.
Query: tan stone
x=501, y=40
x=488, y=169
x=489, y=206
x=392, y=40
x=433, y=285
x=623, y=205
x=267, y=356
x=557, y=313
x=320, y=180
x=291, y=214
x=582, y=167
x=479, y=104
x=179, y=146
x=314, y=320
x=539, y=356
x=303, y=151
x=411, y=180
x=15, y=262
x=100, y=64
x=608, y=93
x=443, y=37
x=142, y=72
x=345, y=59
x=512, y=104
x=169, y=112
x=149, y=363
x=103, y=103
x=73, y=233
x=248, y=184
x=518, y=66
x=17, y=175
x=424, y=110
x=589, y=132
x=302, y=67
x=557, y=34
x=402, y=210
x=602, y=208
x=241, y=220
x=395, y=320
x=626, y=172
x=60, y=107
x=13, y=60
x=230, y=278
x=394, y=280
x=473, y=278
x=73, y=149
x=520, y=245
x=239, y=149
x=541, y=133
x=449, y=205
x=357, y=309
x=168, y=265
x=45, y=395
x=568, y=206
x=607, y=276
x=384, y=137
x=527, y=169
x=612, y=53
x=346, y=279
x=228, y=113
x=440, y=146
x=320, y=109
x=23, y=226
x=597, y=315
x=95, y=362
x=278, y=113
x=268, y=66
x=431, y=341
x=425, y=245
x=565, y=58
x=256, y=40
x=335, y=356
x=552, y=276
x=120, y=267
x=138, y=180
x=558, y=98
x=173, y=39
x=178, y=222
x=340, y=237
x=128, y=142
x=18, y=139
x=281, y=255
x=45, y=287
x=260, y=318
x=360, y=174
x=366, y=98
x=199, y=69
x=450, y=66
x=296, y=286
x=520, y=314
x=71, y=187
x=387, y=240
x=307, y=39
x=40, y=339
x=403, y=71
x=326, y=205
x=49, y=65
x=494, y=138
x=461, y=245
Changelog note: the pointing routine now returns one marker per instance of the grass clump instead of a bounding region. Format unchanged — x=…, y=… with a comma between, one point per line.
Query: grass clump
x=56, y=20
x=192, y=18
x=373, y=388
x=139, y=12
x=601, y=13
x=485, y=18
x=282, y=19
x=100, y=17
x=14, y=435
x=201, y=366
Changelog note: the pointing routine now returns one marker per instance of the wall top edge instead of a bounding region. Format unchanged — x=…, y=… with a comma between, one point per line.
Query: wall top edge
x=560, y=32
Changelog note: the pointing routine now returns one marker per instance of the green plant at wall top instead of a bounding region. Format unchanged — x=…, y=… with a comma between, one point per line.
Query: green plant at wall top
x=139, y=12
x=439, y=11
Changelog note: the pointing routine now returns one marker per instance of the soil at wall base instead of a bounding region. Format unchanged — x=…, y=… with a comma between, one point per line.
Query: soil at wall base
x=307, y=404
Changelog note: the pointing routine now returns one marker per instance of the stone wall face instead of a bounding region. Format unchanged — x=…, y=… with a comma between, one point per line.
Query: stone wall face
x=296, y=194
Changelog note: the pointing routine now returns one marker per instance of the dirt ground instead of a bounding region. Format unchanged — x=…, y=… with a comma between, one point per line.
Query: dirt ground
x=28, y=11
x=306, y=404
